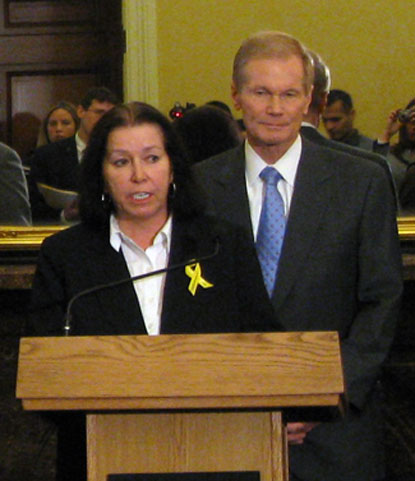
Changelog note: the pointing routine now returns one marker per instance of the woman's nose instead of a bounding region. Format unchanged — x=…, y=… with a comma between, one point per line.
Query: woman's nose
x=138, y=171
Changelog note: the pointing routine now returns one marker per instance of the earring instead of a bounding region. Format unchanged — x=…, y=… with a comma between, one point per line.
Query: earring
x=105, y=200
x=172, y=190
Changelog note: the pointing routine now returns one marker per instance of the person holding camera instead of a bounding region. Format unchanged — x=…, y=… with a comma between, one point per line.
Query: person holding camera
x=402, y=154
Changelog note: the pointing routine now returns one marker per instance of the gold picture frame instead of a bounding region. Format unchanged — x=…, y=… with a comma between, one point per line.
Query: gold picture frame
x=14, y=238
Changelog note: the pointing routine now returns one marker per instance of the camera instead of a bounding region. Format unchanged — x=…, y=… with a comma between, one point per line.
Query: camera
x=404, y=116
x=178, y=110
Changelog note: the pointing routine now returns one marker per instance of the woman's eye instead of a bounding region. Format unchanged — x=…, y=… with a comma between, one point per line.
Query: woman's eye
x=153, y=158
x=119, y=162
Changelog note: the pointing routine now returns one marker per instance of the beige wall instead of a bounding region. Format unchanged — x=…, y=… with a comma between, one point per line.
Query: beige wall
x=367, y=44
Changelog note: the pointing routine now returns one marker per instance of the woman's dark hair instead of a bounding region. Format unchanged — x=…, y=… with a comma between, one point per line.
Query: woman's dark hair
x=404, y=142
x=207, y=131
x=184, y=200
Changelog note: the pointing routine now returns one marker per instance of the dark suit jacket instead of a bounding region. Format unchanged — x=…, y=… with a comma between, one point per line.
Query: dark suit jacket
x=55, y=164
x=14, y=197
x=79, y=258
x=407, y=190
x=340, y=269
x=315, y=136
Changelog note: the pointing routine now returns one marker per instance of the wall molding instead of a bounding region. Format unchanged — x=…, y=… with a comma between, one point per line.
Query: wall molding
x=140, y=61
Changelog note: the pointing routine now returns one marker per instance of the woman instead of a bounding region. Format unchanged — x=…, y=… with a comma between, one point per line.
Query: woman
x=60, y=123
x=402, y=154
x=140, y=213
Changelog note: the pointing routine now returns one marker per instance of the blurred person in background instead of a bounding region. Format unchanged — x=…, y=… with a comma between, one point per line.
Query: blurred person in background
x=14, y=197
x=206, y=131
x=402, y=154
x=55, y=167
x=60, y=122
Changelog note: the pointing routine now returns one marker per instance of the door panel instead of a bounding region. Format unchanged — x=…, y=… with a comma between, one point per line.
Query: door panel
x=51, y=51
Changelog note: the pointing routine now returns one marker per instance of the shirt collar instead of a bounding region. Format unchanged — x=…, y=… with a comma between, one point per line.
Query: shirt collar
x=286, y=165
x=308, y=124
x=117, y=237
x=80, y=144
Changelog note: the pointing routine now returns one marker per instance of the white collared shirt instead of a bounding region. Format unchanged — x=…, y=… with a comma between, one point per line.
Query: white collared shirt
x=287, y=166
x=80, y=146
x=150, y=291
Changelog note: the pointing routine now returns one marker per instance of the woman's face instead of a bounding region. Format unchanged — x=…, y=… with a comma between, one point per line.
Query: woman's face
x=137, y=174
x=60, y=125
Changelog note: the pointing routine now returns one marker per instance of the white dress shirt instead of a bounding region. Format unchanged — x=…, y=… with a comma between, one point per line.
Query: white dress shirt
x=287, y=166
x=80, y=146
x=150, y=291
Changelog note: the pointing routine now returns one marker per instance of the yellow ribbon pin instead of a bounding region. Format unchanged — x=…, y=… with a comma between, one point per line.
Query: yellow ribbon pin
x=195, y=273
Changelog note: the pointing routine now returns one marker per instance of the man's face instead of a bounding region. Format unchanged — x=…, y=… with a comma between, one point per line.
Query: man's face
x=90, y=117
x=273, y=101
x=337, y=121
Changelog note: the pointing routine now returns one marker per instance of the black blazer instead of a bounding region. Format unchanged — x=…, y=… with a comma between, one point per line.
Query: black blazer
x=315, y=136
x=55, y=164
x=79, y=258
x=340, y=269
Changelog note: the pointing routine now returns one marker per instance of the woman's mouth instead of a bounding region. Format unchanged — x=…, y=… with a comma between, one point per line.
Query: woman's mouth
x=141, y=195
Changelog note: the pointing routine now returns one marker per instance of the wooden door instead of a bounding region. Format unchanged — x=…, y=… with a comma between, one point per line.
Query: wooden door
x=52, y=50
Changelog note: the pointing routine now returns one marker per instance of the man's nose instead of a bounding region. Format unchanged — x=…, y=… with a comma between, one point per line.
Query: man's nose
x=274, y=104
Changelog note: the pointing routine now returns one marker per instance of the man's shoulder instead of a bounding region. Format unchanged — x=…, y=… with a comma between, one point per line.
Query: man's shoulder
x=345, y=152
x=365, y=142
x=347, y=160
x=220, y=161
x=8, y=152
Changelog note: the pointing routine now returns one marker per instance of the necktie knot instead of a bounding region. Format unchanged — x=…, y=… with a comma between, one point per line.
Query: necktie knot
x=270, y=175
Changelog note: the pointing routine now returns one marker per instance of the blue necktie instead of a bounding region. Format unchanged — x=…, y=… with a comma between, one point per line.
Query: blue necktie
x=271, y=228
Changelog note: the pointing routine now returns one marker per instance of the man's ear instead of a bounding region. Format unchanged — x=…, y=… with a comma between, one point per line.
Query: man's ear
x=80, y=111
x=309, y=97
x=323, y=102
x=235, y=96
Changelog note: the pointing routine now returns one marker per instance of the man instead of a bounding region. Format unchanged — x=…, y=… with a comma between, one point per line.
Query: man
x=339, y=267
x=338, y=119
x=14, y=197
x=57, y=164
x=311, y=122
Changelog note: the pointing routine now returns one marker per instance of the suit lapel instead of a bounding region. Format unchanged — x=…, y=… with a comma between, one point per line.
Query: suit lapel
x=231, y=191
x=190, y=240
x=109, y=266
x=310, y=199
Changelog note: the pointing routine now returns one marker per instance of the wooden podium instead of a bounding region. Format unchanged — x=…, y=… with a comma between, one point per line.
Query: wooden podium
x=183, y=403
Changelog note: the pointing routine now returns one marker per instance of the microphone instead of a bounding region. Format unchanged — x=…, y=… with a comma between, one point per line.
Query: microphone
x=68, y=317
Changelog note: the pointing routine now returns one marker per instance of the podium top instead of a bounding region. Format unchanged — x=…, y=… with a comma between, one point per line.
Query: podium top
x=203, y=371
